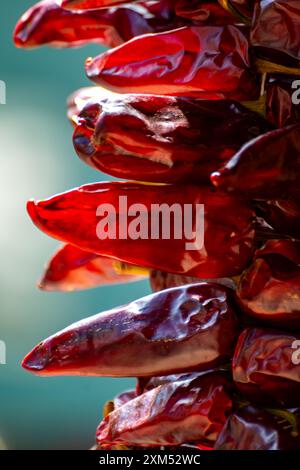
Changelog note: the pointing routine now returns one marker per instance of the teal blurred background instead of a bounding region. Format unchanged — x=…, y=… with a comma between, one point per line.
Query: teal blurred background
x=38, y=160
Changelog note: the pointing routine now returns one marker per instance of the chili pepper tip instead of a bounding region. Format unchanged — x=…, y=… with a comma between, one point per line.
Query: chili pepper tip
x=35, y=361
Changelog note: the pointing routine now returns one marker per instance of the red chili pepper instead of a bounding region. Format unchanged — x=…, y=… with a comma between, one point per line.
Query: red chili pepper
x=266, y=167
x=186, y=328
x=266, y=367
x=161, y=138
x=283, y=215
x=275, y=31
x=73, y=269
x=90, y=4
x=190, y=410
x=270, y=289
x=228, y=230
x=211, y=62
x=280, y=109
x=47, y=23
x=252, y=428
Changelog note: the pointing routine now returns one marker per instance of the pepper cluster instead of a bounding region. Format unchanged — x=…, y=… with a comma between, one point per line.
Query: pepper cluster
x=195, y=104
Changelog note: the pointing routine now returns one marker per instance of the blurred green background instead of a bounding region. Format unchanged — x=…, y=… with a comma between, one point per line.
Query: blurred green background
x=38, y=160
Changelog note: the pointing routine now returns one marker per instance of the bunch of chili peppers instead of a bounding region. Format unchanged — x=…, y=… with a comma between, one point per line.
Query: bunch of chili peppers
x=198, y=96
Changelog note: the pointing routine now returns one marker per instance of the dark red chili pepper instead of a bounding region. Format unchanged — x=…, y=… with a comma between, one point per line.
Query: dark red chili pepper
x=47, y=23
x=252, y=428
x=189, y=410
x=90, y=4
x=266, y=366
x=270, y=288
x=73, y=269
x=95, y=218
x=283, y=215
x=161, y=138
x=186, y=328
x=266, y=167
x=211, y=62
x=160, y=280
x=275, y=31
x=281, y=98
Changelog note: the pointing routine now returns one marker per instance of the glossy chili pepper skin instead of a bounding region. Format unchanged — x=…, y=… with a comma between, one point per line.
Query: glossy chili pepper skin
x=201, y=11
x=181, y=329
x=160, y=280
x=281, y=97
x=270, y=288
x=264, y=168
x=275, y=31
x=252, y=428
x=74, y=269
x=90, y=4
x=190, y=410
x=266, y=367
x=161, y=138
x=210, y=62
x=228, y=230
x=48, y=24
x=282, y=215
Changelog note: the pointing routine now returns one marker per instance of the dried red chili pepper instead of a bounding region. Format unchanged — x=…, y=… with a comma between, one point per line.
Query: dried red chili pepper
x=160, y=280
x=47, y=23
x=270, y=289
x=228, y=230
x=252, y=428
x=283, y=215
x=180, y=329
x=190, y=410
x=201, y=11
x=275, y=31
x=211, y=62
x=266, y=367
x=73, y=269
x=161, y=138
x=266, y=167
x=90, y=4
x=79, y=99
x=281, y=109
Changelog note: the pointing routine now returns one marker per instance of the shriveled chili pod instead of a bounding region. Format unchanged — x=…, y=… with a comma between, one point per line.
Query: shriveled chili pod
x=90, y=4
x=270, y=288
x=160, y=138
x=264, y=168
x=282, y=214
x=211, y=62
x=282, y=100
x=191, y=410
x=253, y=428
x=153, y=226
x=160, y=280
x=74, y=269
x=47, y=23
x=275, y=35
x=186, y=328
x=266, y=366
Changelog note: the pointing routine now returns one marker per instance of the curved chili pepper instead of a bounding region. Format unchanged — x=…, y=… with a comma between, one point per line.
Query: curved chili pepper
x=161, y=138
x=266, y=368
x=211, y=62
x=47, y=23
x=180, y=329
x=280, y=108
x=283, y=215
x=266, y=167
x=252, y=428
x=90, y=4
x=228, y=230
x=275, y=31
x=190, y=410
x=270, y=288
x=160, y=280
x=73, y=269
